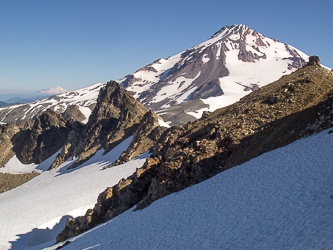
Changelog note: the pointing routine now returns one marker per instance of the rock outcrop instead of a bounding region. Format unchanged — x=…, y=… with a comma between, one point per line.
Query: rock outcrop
x=115, y=117
x=144, y=139
x=291, y=108
x=314, y=61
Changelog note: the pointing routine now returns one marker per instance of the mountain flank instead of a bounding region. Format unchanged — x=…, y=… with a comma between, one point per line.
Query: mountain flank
x=84, y=99
x=273, y=116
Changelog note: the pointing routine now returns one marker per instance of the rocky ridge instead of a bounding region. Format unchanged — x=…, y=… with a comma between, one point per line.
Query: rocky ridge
x=293, y=107
x=7, y=132
x=73, y=112
x=117, y=116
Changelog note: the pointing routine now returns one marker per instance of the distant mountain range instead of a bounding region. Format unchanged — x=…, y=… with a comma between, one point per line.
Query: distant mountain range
x=15, y=98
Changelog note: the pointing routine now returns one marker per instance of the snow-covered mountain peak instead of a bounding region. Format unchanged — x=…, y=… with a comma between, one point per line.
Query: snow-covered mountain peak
x=218, y=71
x=54, y=91
x=237, y=34
x=240, y=29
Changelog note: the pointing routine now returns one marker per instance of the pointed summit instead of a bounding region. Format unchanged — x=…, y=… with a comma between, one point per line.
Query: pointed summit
x=239, y=28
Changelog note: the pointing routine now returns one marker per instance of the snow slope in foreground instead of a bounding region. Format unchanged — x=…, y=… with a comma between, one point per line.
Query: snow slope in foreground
x=280, y=200
x=36, y=212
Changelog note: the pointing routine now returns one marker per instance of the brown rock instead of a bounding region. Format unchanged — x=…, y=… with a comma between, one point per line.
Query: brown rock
x=314, y=61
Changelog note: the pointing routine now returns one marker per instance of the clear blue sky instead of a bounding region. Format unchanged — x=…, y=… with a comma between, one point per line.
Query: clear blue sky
x=74, y=44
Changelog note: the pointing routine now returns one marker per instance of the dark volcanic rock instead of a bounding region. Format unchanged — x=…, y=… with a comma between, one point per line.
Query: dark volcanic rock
x=210, y=89
x=44, y=138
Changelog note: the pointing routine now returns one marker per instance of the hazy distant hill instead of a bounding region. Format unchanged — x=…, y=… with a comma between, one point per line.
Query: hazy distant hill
x=3, y=104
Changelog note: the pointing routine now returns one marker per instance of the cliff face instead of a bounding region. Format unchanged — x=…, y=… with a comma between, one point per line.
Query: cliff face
x=277, y=114
x=44, y=138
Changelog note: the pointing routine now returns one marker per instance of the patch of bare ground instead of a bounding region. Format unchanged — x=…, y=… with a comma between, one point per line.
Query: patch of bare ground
x=10, y=181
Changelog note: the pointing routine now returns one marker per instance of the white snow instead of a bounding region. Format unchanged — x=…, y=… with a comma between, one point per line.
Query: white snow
x=218, y=53
x=54, y=91
x=279, y=200
x=14, y=166
x=163, y=123
x=86, y=112
x=174, y=89
x=205, y=59
x=55, y=195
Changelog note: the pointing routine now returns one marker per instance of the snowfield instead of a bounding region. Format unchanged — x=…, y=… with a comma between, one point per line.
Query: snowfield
x=280, y=200
x=36, y=211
